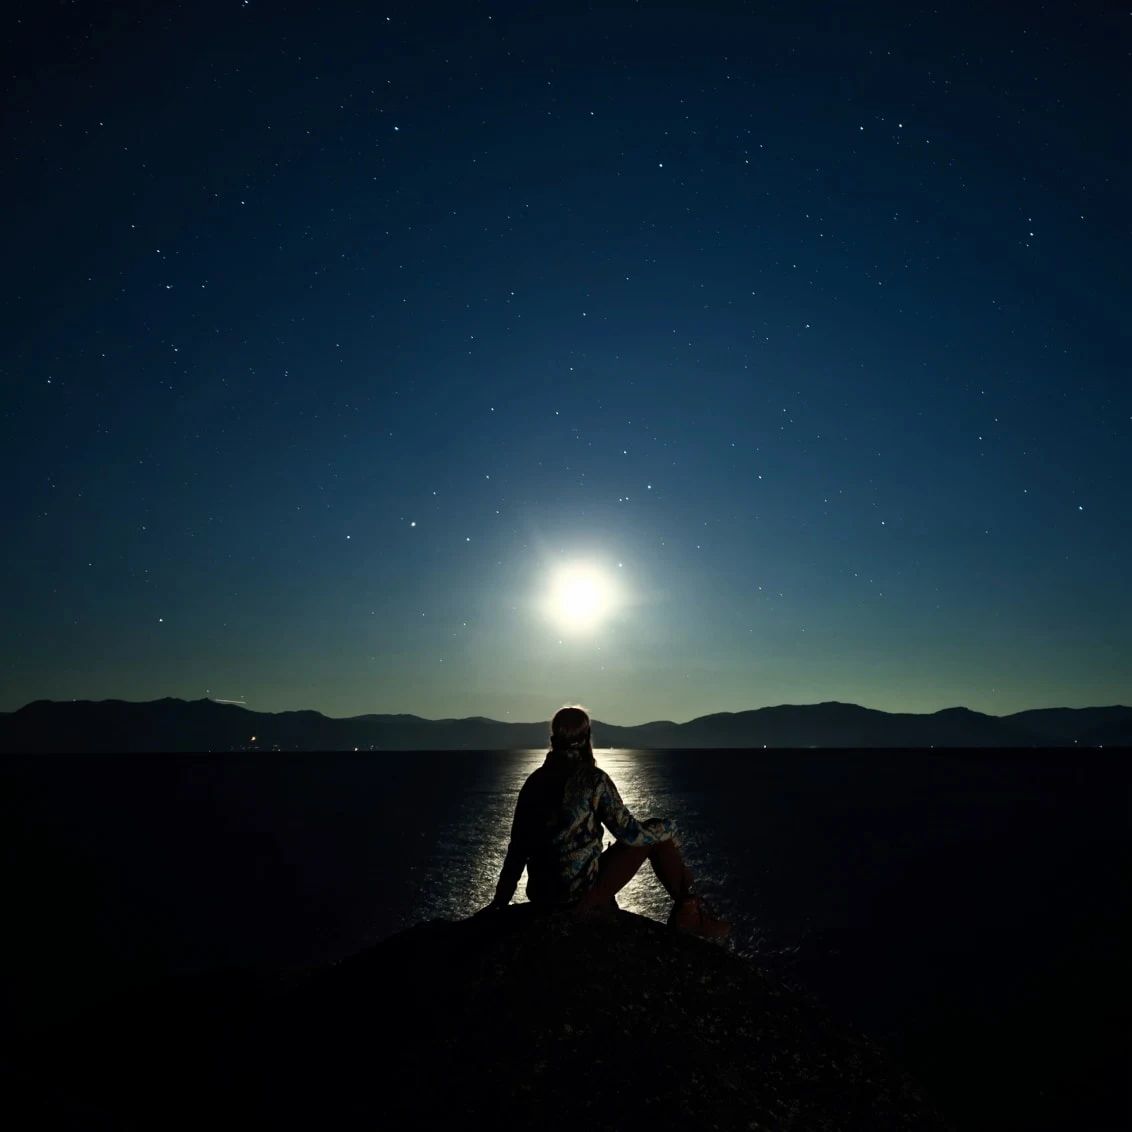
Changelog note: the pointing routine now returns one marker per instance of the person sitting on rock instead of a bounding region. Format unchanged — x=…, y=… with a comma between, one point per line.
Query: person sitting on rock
x=556, y=835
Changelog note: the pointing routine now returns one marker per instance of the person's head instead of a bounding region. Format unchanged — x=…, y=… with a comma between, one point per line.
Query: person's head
x=570, y=733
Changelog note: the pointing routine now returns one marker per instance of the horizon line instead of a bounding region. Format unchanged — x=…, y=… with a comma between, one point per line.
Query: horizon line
x=536, y=722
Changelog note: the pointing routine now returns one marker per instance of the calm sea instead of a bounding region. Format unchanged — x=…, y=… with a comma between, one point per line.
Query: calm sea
x=964, y=910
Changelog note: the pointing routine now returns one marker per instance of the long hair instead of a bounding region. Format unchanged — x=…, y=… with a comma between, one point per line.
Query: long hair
x=570, y=735
x=571, y=750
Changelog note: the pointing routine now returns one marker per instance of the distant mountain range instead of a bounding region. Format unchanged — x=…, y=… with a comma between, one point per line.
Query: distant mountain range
x=118, y=726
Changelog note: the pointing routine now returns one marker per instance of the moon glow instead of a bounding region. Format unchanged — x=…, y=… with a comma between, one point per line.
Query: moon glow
x=581, y=598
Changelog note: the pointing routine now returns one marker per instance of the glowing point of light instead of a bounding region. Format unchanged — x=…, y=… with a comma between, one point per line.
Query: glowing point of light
x=581, y=597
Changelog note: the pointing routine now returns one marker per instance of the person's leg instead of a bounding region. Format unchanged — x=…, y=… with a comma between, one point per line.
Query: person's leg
x=670, y=869
x=616, y=867
x=620, y=862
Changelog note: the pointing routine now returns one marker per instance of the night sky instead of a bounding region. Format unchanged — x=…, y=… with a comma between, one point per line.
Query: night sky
x=333, y=335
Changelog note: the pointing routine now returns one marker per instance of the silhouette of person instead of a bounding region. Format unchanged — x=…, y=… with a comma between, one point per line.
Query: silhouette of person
x=556, y=835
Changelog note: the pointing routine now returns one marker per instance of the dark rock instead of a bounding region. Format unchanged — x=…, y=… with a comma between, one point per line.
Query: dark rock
x=513, y=1019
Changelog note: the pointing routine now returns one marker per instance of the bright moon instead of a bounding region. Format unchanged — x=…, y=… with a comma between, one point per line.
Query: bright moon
x=581, y=597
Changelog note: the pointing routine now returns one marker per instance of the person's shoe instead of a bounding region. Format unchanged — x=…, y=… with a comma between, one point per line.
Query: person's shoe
x=693, y=915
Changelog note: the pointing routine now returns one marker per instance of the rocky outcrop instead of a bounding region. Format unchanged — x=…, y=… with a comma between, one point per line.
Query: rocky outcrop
x=512, y=1019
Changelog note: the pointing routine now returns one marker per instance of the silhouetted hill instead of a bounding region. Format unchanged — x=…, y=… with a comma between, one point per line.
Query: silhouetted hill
x=1094, y=727
x=512, y=1020
x=119, y=726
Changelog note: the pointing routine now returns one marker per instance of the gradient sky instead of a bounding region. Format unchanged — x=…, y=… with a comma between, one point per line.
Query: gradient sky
x=806, y=323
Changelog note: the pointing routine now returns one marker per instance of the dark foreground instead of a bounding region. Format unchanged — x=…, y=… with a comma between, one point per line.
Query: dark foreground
x=509, y=1020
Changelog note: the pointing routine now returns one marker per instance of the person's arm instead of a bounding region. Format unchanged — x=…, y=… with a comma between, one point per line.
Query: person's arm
x=616, y=818
x=516, y=860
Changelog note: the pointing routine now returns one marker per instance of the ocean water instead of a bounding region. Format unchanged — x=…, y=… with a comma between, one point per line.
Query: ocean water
x=964, y=910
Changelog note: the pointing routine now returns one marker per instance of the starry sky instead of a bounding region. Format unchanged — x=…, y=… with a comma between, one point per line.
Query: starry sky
x=333, y=334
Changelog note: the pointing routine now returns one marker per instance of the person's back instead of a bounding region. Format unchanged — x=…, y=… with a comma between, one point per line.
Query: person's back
x=559, y=828
x=560, y=813
x=557, y=836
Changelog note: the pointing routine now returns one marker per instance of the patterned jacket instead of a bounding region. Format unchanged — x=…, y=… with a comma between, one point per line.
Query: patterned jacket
x=557, y=836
